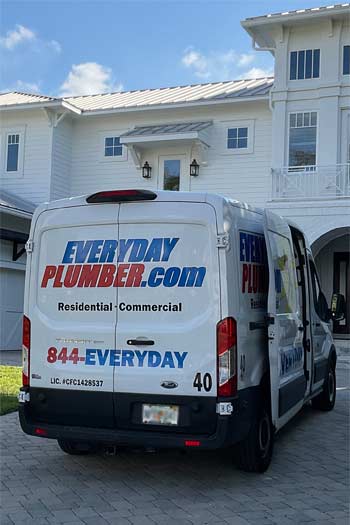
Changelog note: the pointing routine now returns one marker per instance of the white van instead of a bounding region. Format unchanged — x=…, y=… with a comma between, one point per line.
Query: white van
x=171, y=319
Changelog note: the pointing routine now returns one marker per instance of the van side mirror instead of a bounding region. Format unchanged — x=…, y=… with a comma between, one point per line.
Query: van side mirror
x=338, y=307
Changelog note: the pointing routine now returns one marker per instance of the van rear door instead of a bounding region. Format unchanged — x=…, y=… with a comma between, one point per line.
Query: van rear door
x=286, y=354
x=168, y=308
x=73, y=315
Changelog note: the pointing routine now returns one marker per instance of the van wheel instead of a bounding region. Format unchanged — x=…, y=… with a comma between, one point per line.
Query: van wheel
x=75, y=448
x=326, y=399
x=254, y=453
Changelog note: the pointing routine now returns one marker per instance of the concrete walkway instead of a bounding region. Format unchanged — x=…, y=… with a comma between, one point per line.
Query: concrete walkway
x=307, y=483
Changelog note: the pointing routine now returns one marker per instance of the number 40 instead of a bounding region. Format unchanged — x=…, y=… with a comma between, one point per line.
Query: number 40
x=207, y=382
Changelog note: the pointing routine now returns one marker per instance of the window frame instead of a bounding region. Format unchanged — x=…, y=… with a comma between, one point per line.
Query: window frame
x=343, y=61
x=238, y=137
x=103, y=135
x=5, y=133
x=294, y=112
x=305, y=52
x=231, y=124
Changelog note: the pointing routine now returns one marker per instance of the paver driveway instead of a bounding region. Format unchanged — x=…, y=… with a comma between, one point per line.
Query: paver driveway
x=307, y=482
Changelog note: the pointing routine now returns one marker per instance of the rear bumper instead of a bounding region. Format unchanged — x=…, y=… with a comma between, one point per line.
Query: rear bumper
x=228, y=429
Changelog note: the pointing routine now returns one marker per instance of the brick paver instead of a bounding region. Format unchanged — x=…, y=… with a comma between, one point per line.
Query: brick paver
x=307, y=482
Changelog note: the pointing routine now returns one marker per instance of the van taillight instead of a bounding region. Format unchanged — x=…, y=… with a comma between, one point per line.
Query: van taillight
x=227, y=357
x=25, y=351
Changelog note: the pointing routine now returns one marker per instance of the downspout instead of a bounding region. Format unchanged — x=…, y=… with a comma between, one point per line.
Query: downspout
x=258, y=48
x=272, y=49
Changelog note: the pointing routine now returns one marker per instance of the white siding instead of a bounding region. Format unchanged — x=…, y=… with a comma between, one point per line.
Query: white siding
x=244, y=176
x=61, y=159
x=325, y=94
x=315, y=218
x=34, y=184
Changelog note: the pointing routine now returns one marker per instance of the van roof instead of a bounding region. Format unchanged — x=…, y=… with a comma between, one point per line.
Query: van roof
x=214, y=199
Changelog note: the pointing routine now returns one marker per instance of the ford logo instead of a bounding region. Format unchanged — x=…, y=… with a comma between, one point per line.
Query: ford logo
x=169, y=384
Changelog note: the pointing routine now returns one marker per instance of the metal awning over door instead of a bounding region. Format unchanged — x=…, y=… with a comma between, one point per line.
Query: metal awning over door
x=141, y=138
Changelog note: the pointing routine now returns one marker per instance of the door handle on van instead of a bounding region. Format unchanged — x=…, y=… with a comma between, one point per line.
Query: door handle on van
x=139, y=342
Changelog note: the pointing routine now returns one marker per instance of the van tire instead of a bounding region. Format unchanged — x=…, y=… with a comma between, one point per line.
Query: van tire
x=76, y=449
x=326, y=399
x=254, y=453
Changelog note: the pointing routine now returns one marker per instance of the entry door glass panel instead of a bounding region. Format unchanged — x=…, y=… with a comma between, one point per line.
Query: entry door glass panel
x=172, y=172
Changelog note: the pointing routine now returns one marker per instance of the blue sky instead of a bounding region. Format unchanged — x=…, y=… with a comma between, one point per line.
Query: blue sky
x=81, y=47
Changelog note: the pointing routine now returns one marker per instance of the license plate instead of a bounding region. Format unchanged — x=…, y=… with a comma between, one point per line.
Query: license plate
x=160, y=414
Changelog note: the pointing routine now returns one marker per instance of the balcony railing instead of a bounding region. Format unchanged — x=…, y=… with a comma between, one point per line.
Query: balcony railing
x=311, y=182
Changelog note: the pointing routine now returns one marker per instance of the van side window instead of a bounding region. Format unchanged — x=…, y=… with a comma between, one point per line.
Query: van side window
x=320, y=302
x=285, y=275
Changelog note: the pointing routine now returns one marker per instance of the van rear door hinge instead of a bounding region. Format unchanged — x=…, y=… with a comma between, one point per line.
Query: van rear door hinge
x=223, y=241
x=29, y=246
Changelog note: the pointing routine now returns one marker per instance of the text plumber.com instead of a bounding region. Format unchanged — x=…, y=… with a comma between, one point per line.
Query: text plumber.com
x=89, y=264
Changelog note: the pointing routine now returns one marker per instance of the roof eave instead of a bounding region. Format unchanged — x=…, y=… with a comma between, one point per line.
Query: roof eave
x=92, y=112
x=16, y=212
x=42, y=105
x=292, y=18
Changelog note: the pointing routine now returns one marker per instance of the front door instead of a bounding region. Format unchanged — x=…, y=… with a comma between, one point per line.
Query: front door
x=286, y=355
x=172, y=173
x=341, y=284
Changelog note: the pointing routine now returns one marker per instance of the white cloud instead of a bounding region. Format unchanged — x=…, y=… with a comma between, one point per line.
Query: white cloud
x=245, y=59
x=88, y=78
x=17, y=36
x=20, y=85
x=32, y=87
x=257, y=72
x=225, y=65
x=55, y=46
x=21, y=34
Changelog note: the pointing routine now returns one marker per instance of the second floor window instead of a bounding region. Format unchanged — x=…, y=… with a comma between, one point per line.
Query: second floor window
x=302, y=139
x=113, y=148
x=12, y=155
x=304, y=64
x=237, y=138
x=346, y=60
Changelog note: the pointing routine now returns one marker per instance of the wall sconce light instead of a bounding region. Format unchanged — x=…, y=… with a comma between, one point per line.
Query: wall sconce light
x=194, y=168
x=146, y=170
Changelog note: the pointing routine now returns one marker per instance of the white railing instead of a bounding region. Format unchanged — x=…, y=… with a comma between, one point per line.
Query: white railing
x=311, y=182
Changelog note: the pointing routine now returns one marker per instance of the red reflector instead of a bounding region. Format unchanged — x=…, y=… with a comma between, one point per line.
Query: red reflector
x=192, y=443
x=25, y=351
x=121, y=196
x=41, y=432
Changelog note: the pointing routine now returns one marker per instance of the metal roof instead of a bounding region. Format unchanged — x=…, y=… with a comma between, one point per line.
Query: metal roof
x=147, y=98
x=198, y=93
x=300, y=12
x=16, y=205
x=164, y=129
x=15, y=97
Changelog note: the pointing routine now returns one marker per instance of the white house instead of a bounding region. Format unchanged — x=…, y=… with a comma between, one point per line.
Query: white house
x=279, y=142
